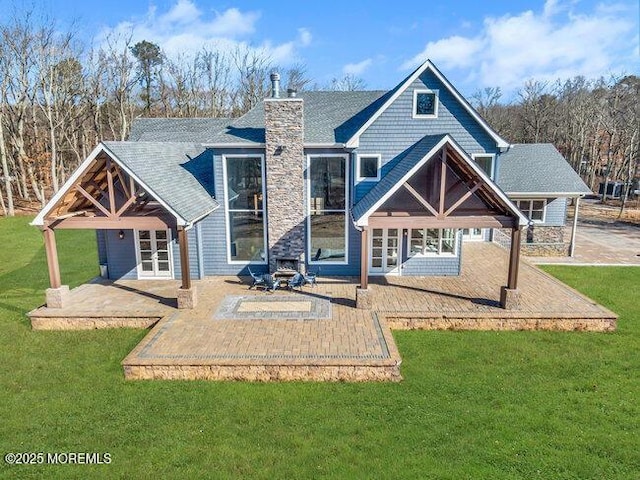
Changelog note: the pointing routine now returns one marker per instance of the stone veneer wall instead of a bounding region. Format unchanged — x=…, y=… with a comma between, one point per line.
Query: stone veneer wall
x=284, y=137
x=537, y=241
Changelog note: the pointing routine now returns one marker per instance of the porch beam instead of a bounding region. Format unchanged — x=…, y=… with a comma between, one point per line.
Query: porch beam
x=420, y=199
x=443, y=179
x=112, y=196
x=445, y=222
x=514, y=258
x=463, y=199
x=97, y=204
x=51, y=252
x=122, y=223
x=126, y=205
x=364, y=258
x=184, y=259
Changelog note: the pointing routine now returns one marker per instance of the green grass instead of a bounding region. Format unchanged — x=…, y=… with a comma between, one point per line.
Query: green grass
x=473, y=405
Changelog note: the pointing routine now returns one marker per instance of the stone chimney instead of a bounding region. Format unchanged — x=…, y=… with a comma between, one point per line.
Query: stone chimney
x=284, y=138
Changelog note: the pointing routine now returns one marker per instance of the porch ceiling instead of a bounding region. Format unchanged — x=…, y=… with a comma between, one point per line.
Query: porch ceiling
x=107, y=197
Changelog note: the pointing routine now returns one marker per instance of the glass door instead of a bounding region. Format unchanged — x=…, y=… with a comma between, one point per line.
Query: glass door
x=472, y=234
x=385, y=251
x=154, y=254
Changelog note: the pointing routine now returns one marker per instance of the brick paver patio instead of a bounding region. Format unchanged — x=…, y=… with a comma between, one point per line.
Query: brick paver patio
x=236, y=333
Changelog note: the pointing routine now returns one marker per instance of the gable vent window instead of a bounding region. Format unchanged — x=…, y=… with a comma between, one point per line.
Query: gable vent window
x=425, y=103
x=368, y=168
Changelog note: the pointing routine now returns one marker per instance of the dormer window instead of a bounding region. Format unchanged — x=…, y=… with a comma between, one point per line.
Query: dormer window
x=425, y=103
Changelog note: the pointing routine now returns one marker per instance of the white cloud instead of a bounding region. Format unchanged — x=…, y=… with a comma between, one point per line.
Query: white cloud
x=357, y=68
x=184, y=29
x=554, y=43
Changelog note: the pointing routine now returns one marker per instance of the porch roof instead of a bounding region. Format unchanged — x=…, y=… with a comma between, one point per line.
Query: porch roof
x=417, y=156
x=161, y=170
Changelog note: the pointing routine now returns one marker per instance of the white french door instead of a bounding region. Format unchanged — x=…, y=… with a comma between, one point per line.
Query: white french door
x=472, y=234
x=385, y=250
x=153, y=250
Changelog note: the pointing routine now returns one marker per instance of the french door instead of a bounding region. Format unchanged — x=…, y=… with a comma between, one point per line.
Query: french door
x=153, y=249
x=472, y=234
x=385, y=251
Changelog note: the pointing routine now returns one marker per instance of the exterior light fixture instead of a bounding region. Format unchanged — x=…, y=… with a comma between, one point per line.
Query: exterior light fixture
x=121, y=234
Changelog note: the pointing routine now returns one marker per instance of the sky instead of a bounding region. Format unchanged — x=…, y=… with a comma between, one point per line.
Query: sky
x=476, y=44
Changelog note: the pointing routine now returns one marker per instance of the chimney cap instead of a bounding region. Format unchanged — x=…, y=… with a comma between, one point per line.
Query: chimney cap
x=292, y=92
x=275, y=76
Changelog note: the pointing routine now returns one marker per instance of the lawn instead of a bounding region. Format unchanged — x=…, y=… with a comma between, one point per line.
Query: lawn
x=473, y=405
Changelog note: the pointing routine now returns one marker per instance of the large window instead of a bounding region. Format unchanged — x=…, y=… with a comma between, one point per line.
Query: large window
x=425, y=103
x=328, y=194
x=485, y=162
x=433, y=241
x=244, y=194
x=534, y=210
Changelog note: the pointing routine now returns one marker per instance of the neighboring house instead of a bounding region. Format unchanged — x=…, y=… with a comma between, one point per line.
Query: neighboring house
x=357, y=183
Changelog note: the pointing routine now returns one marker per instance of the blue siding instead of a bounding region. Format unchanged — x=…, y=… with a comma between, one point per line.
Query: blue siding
x=556, y=212
x=102, y=246
x=396, y=129
x=432, y=266
x=121, y=255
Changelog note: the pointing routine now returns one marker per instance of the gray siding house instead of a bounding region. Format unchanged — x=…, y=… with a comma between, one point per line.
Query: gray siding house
x=352, y=183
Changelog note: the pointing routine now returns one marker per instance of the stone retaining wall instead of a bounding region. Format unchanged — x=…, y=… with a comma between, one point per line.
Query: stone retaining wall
x=266, y=373
x=91, y=323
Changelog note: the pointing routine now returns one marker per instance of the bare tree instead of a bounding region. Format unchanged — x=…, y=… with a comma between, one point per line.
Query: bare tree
x=347, y=83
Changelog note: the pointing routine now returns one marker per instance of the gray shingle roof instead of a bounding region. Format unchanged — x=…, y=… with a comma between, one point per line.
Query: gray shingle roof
x=165, y=168
x=194, y=130
x=329, y=117
x=537, y=168
x=411, y=157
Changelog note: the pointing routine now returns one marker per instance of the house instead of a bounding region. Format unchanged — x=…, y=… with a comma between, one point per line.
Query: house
x=357, y=183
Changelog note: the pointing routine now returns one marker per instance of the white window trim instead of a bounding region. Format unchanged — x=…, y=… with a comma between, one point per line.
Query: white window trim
x=230, y=261
x=144, y=275
x=492, y=174
x=528, y=213
x=415, y=102
x=456, y=245
x=368, y=179
x=346, y=210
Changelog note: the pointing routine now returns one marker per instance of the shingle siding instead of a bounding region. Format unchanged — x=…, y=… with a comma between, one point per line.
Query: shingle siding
x=121, y=255
x=395, y=129
x=556, y=212
x=431, y=266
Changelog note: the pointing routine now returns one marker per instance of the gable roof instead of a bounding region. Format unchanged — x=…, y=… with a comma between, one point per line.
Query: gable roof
x=195, y=130
x=414, y=158
x=400, y=88
x=159, y=168
x=329, y=118
x=538, y=168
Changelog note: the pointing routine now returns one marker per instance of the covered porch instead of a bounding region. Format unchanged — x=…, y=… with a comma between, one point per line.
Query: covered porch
x=108, y=193
x=433, y=192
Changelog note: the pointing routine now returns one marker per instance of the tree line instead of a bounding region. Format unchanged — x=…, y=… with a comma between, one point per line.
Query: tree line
x=59, y=98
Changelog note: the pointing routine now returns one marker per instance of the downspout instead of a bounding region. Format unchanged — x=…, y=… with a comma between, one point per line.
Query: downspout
x=572, y=245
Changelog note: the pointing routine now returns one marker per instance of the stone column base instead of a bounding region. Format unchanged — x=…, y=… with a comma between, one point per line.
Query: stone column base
x=363, y=298
x=57, y=297
x=509, y=298
x=187, y=299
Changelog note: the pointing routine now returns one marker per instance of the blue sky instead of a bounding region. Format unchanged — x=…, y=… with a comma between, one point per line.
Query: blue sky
x=475, y=43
